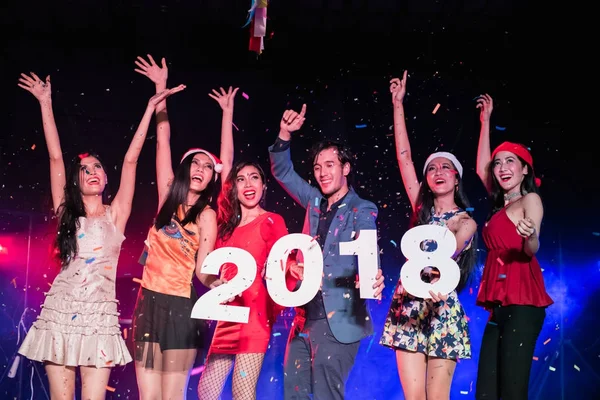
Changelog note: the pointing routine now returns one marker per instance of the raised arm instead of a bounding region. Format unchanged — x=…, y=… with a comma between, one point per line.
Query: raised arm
x=281, y=163
x=226, y=101
x=164, y=166
x=403, y=154
x=486, y=105
x=207, y=221
x=124, y=198
x=43, y=92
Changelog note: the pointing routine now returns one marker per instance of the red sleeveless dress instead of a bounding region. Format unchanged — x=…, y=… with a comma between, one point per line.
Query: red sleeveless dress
x=257, y=237
x=510, y=276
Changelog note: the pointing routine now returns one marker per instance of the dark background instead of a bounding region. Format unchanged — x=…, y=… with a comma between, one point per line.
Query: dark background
x=336, y=56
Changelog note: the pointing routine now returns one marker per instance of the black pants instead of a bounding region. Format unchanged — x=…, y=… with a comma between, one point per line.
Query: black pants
x=507, y=352
x=315, y=362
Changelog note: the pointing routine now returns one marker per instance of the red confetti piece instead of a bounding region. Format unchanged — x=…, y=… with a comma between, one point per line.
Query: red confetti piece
x=436, y=108
x=500, y=261
x=97, y=248
x=110, y=389
x=535, y=358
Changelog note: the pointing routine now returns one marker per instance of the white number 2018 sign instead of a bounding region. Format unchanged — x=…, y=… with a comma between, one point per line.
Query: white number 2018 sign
x=210, y=306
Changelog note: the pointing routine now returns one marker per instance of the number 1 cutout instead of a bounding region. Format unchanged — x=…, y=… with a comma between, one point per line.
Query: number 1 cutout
x=365, y=247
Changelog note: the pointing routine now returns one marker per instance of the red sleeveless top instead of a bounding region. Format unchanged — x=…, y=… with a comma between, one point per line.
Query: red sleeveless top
x=510, y=276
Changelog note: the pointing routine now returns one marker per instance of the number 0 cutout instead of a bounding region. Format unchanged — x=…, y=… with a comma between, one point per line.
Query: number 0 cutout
x=441, y=258
x=209, y=306
x=276, y=265
x=365, y=247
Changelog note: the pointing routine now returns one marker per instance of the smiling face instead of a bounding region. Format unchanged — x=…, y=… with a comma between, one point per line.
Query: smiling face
x=329, y=172
x=249, y=186
x=92, y=178
x=441, y=175
x=509, y=171
x=201, y=172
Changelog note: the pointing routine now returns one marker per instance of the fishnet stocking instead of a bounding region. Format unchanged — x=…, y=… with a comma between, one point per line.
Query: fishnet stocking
x=245, y=375
x=214, y=376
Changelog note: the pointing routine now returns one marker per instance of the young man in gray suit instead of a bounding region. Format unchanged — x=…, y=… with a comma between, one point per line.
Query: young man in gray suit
x=327, y=331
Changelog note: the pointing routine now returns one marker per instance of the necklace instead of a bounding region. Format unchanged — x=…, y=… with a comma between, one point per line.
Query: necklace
x=509, y=197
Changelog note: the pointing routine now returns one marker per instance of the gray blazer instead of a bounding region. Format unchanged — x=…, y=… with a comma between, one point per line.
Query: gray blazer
x=348, y=316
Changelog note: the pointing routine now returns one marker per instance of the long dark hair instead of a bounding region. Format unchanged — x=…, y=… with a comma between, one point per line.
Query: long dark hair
x=229, y=209
x=497, y=195
x=178, y=193
x=422, y=216
x=70, y=210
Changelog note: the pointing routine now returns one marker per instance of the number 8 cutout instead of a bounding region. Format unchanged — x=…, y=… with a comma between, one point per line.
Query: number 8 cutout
x=418, y=259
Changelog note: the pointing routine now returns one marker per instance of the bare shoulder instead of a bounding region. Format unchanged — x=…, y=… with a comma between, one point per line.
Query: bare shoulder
x=207, y=216
x=532, y=199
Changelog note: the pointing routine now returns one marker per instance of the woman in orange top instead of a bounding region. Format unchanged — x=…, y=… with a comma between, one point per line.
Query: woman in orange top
x=166, y=337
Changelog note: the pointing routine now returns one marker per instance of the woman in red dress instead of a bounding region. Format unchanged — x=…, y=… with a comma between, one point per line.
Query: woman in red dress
x=242, y=223
x=512, y=286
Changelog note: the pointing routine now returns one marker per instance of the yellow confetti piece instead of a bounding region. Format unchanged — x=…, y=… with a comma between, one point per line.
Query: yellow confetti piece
x=110, y=389
x=330, y=314
x=108, y=267
x=146, y=334
x=547, y=341
x=436, y=108
x=137, y=280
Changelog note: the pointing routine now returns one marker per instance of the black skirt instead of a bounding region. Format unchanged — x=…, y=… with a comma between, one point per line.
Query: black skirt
x=162, y=322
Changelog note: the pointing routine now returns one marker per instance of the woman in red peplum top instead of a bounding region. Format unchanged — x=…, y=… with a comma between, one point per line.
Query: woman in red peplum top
x=512, y=286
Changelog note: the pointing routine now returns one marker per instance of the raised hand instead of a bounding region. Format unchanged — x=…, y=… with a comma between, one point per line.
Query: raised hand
x=158, y=97
x=225, y=98
x=34, y=85
x=156, y=74
x=486, y=105
x=398, y=88
x=292, y=121
x=526, y=227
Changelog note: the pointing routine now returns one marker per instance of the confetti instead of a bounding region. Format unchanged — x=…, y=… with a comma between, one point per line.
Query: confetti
x=500, y=261
x=469, y=209
x=125, y=333
x=244, y=95
x=303, y=335
x=552, y=369
x=243, y=374
x=502, y=276
x=235, y=126
x=500, y=128
x=576, y=367
x=110, y=389
x=90, y=260
x=137, y=280
x=535, y=358
x=436, y=108
x=361, y=126
x=97, y=248
x=33, y=147
x=394, y=243
x=276, y=334
x=464, y=392
x=198, y=370
x=547, y=341
x=81, y=235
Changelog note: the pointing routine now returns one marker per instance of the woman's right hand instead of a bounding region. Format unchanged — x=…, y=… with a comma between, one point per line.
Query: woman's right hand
x=158, y=97
x=398, y=89
x=34, y=85
x=156, y=74
x=486, y=105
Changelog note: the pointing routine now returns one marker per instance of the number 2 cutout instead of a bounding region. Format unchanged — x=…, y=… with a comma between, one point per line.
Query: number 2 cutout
x=209, y=306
